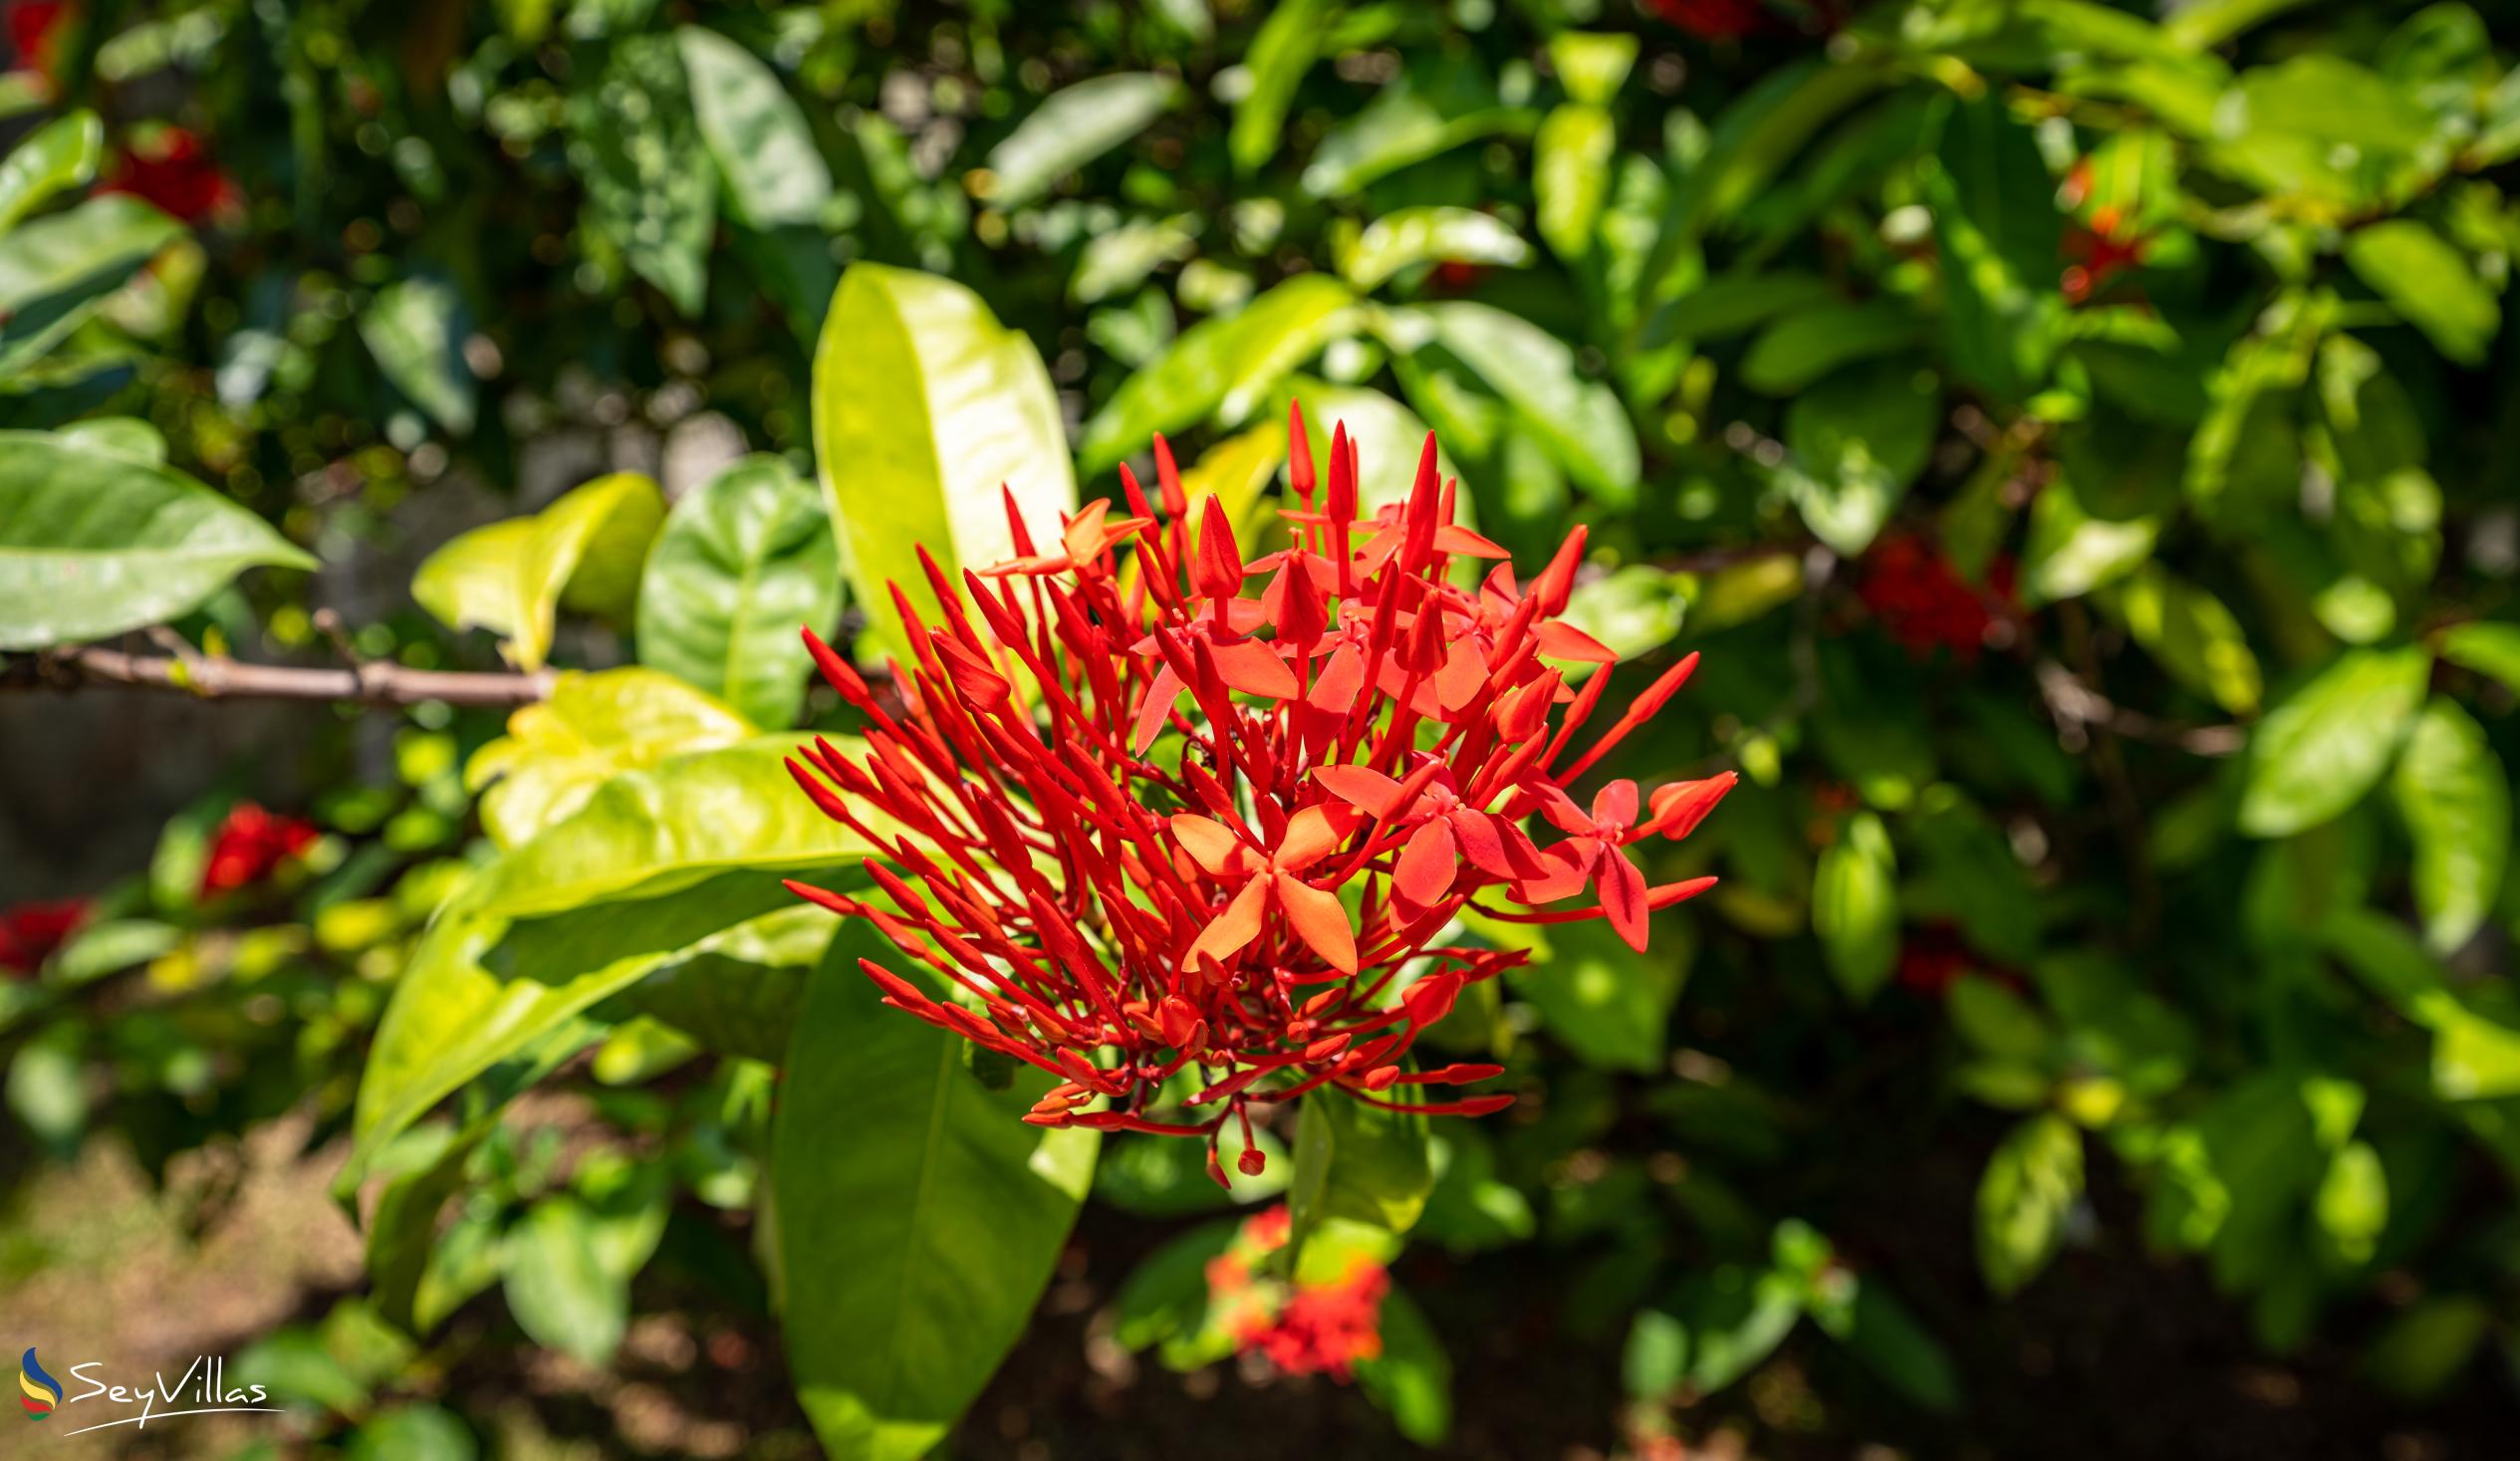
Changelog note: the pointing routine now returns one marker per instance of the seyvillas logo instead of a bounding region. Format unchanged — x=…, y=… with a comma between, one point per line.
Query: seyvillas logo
x=201, y=1389
x=42, y=1393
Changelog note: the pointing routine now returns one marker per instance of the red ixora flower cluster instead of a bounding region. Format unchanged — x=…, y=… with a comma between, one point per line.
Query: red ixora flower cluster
x=1117, y=806
x=172, y=169
x=1925, y=604
x=249, y=845
x=1299, y=1327
x=30, y=932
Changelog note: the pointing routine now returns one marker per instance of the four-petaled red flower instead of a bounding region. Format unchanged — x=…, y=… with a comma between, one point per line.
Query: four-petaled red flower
x=30, y=932
x=249, y=845
x=1195, y=852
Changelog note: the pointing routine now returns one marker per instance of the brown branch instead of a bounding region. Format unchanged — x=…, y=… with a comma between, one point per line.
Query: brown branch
x=2077, y=704
x=216, y=678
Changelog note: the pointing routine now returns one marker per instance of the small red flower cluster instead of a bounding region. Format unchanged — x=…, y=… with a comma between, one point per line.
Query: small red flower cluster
x=1925, y=605
x=173, y=170
x=1713, y=20
x=2103, y=248
x=33, y=25
x=249, y=845
x=1116, y=806
x=30, y=932
x=1300, y=1328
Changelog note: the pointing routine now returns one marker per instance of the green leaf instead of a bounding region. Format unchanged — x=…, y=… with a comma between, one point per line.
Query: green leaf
x=1412, y=1378
x=415, y=1432
x=651, y=192
x=1858, y=440
x=1412, y=236
x=1808, y=344
x=1287, y=45
x=416, y=328
x=1165, y=1295
x=2191, y=632
x=1633, y=610
x=1358, y=1162
x=1120, y=257
x=1579, y=421
x=1430, y=110
x=2030, y=1185
x=1608, y=1003
x=2430, y=282
x=2070, y=553
x=2425, y=1348
x=2316, y=753
x=2351, y=1207
x=94, y=541
x=923, y=405
x=512, y=577
x=557, y=1285
x=737, y=992
x=1855, y=905
x=918, y=1216
x=1894, y=1344
x=558, y=752
x=1571, y=174
x=1223, y=368
x=755, y=132
x=741, y=566
x=58, y=270
x=2453, y=795
x=2491, y=650
x=60, y=154
x=1998, y=226
x=1070, y=128
x=1591, y=64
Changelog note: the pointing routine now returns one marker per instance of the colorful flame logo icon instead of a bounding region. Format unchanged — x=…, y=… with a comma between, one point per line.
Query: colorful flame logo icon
x=42, y=1393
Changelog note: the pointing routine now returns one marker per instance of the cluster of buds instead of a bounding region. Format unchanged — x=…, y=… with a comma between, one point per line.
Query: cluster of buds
x=1194, y=851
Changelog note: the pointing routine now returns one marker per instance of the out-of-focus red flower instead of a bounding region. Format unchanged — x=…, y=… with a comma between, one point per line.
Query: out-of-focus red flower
x=34, y=29
x=1935, y=957
x=1715, y=20
x=1321, y=1327
x=172, y=169
x=2100, y=247
x=1116, y=808
x=249, y=844
x=30, y=932
x=1925, y=604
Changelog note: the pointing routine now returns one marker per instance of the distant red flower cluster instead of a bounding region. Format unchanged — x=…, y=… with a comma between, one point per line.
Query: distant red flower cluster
x=33, y=26
x=30, y=932
x=2105, y=247
x=174, y=170
x=249, y=845
x=1300, y=1328
x=1713, y=20
x=1925, y=604
x=1117, y=808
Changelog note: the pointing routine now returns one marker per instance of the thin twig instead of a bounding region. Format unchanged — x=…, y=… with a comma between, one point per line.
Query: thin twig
x=378, y=683
x=2078, y=704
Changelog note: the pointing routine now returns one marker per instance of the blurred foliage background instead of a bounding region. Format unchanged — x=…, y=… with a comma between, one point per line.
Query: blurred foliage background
x=2069, y=430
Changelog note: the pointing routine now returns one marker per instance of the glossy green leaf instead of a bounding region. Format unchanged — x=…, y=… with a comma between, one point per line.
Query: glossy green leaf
x=512, y=577
x=58, y=270
x=558, y=1288
x=1412, y=1378
x=2423, y=1349
x=1122, y=258
x=556, y=753
x=1287, y=45
x=2191, y=633
x=1429, y=110
x=413, y=1432
x=1579, y=421
x=923, y=405
x=2454, y=797
x=2491, y=650
x=1606, y=1002
x=415, y=328
x=2430, y=283
x=58, y=155
x=1571, y=159
x=2030, y=1185
x=94, y=541
x=1358, y=1163
x=918, y=1216
x=1855, y=905
x=1070, y=128
x=1221, y=368
x=1856, y=442
x=1633, y=611
x=1591, y=64
x=652, y=191
x=741, y=566
x=1800, y=347
x=2327, y=743
x=1894, y=1344
x=1410, y=236
x=755, y=132
x=2070, y=553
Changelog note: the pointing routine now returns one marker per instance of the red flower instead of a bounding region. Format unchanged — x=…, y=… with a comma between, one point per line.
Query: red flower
x=249, y=845
x=1713, y=20
x=1300, y=1328
x=1116, y=811
x=1923, y=603
x=173, y=170
x=34, y=28
x=2102, y=246
x=1934, y=958
x=30, y=932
